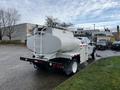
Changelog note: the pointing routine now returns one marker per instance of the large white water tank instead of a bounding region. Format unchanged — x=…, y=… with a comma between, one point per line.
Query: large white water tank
x=52, y=41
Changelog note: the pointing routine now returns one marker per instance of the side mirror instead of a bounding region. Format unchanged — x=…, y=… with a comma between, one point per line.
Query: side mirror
x=82, y=42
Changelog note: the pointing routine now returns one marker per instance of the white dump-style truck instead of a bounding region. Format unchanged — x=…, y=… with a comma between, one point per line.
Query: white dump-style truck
x=57, y=48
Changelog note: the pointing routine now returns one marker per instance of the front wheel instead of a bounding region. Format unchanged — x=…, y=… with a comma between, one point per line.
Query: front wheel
x=93, y=54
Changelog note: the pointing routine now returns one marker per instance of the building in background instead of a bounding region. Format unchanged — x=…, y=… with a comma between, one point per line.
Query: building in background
x=85, y=33
x=117, y=34
x=103, y=35
x=21, y=31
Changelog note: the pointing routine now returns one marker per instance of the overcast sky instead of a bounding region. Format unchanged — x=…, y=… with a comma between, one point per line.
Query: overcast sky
x=83, y=13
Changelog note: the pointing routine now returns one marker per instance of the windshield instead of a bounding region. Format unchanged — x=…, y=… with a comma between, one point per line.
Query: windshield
x=101, y=43
x=103, y=40
x=116, y=42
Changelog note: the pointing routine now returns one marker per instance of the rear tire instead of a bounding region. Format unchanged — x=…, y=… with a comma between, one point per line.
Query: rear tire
x=71, y=68
x=74, y=67
x=36, y=67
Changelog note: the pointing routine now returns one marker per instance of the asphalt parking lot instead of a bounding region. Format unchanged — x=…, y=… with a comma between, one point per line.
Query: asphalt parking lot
x=106, y=53
x=20, y=75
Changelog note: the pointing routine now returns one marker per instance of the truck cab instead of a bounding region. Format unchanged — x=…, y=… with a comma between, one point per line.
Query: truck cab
x=90, y=45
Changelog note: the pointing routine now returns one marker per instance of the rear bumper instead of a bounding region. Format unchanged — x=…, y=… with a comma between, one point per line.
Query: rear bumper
x=30, y=59
x=38, y=62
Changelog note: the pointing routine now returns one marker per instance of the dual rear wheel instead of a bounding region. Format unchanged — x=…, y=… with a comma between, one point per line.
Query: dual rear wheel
x=71, y=68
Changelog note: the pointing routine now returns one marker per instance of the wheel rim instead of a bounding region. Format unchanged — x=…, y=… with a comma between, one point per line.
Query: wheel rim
x=74, y=67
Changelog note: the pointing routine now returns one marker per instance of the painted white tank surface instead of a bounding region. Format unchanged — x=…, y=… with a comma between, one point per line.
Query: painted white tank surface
x=58, y=40
x=50, y=44
x=68, y=41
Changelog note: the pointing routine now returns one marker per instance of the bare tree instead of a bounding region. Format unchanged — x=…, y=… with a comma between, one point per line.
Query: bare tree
x=0, y=27
x=51, y=22
x=3, y=22
x=12, y=19
x=66, y=24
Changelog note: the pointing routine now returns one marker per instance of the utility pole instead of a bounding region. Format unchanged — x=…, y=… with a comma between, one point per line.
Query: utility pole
x=118, y=32
x=0, y=31
x=94, y=26
x=104, y=27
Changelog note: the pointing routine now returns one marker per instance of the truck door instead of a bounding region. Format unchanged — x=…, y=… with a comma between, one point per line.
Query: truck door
x=84, y=53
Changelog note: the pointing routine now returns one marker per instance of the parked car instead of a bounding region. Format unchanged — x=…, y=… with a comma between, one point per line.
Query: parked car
x=101, y=45
x=116, y=45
